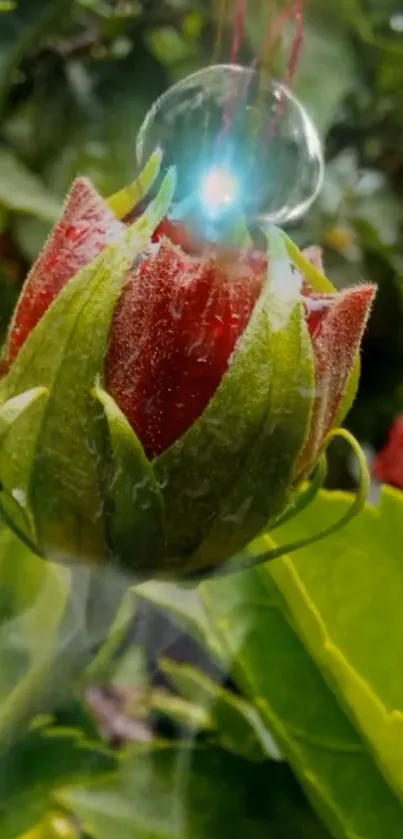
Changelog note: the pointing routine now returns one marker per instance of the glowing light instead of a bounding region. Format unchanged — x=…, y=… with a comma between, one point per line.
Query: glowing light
x=219, y=190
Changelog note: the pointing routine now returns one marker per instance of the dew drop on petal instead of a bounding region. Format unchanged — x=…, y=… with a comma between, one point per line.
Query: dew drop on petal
x=243, y=145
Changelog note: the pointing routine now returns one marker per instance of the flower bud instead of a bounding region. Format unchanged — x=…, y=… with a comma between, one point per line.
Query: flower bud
x=162, y=398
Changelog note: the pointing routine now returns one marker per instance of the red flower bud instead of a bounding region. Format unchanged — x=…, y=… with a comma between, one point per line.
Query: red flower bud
x=230, y=365
x=180, y=315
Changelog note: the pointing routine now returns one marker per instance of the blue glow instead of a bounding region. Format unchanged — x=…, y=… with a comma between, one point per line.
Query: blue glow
x=219, y=191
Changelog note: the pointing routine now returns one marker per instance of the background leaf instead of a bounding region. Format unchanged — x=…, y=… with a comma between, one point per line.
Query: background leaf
x=32, y=603
x=27, y=22
x=172, y=793
x=238, y=726
x=354, y=630
x=36, y=767
x=22, y=191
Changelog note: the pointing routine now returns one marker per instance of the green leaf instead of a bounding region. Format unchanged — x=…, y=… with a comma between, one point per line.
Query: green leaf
x=37, y=766
x=177, y=793
x=33, y=597
x=57, y=456
x=13, y=504
x=135, y=510
x=352, y=628
x=269, y=624
x=231, y=471
x=325, y=70
x=32, y=602
x=238, y=725
x=188, y=716
x=23, y=192
x=76, y=714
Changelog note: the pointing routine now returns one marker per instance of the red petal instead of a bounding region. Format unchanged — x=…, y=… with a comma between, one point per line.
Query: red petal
x=336, y=341
x=316, y=309
x=316, y=303
x=86, y=227
x=175, y=328
x=180, y=235
x=389, y=462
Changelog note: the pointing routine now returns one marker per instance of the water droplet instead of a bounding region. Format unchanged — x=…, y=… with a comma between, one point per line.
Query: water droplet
x=243, y=145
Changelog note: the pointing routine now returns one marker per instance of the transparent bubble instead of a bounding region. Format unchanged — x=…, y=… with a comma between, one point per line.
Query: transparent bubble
x=242, y=144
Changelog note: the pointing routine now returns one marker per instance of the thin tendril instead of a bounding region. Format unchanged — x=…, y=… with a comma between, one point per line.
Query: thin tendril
x=304, y=499
x=239, y=28
x=244, y=562
x=220, y=31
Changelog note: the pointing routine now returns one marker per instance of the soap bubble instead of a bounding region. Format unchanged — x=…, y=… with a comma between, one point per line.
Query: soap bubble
x=241, y=142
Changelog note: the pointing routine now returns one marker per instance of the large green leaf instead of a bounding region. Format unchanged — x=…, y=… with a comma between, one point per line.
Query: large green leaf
x=190, y=793
x=33, y=598
x=32, y=602
x=344, y=599
x=339, y=604
x=37, y=766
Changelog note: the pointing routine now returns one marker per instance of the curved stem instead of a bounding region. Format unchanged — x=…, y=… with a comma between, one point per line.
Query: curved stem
x=245, y=561
x=305, y=498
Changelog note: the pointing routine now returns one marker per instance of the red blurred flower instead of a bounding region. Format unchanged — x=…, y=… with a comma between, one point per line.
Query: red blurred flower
x=388, y=465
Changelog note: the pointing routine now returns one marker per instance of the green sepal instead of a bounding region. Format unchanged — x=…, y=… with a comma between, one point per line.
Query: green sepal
x=11, y=410
x=232, y=471
x=134, y=513
x=58, y=455
x=124, y=202
x=11, y=500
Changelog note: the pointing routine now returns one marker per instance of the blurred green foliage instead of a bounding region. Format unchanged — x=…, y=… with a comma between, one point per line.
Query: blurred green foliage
x=77, y=77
